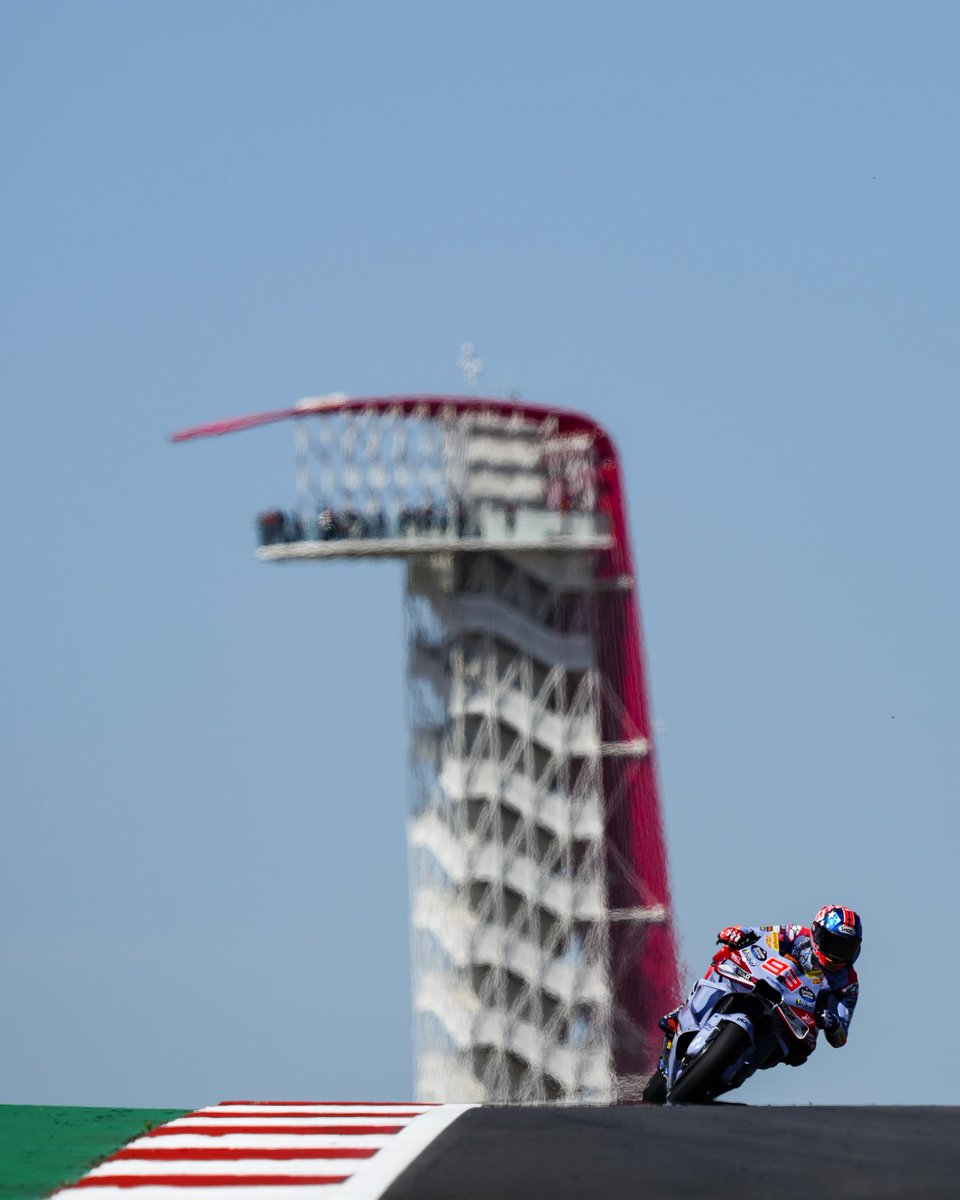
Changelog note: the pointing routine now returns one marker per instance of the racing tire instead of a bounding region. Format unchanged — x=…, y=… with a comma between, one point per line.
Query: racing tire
x=696, y=1085
x=655, y=1091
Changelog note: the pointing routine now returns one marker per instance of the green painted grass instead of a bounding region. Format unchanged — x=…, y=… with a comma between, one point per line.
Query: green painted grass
x=43, y=1147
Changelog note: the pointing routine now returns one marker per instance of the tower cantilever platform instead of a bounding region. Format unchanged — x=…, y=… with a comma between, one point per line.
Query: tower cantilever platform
x=542, y=933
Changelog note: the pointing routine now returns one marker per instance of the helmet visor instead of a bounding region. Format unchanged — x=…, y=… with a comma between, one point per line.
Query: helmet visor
x=837, y=947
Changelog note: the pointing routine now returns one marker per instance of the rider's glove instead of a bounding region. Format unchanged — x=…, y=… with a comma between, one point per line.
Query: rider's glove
x=828, y=1021
x=735, y=937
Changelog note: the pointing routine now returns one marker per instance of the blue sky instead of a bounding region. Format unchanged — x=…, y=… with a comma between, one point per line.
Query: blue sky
x=728, y=231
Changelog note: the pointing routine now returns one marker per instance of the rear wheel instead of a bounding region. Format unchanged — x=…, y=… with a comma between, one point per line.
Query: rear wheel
x=656, y=1090
x=698, y=1083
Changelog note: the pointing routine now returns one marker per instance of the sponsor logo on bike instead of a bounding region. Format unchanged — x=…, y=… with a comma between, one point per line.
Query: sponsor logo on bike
x=773, y=941
x=759, y=953
x=808, y=995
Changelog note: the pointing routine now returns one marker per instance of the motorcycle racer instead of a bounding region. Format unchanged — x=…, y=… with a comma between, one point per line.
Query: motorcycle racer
x=829, y=947
x=767, y=993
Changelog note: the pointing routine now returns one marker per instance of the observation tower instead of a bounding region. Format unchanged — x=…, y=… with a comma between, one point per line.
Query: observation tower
x=543, y=947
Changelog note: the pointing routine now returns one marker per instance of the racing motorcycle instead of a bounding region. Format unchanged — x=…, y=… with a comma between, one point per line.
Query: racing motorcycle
x=754, y=1007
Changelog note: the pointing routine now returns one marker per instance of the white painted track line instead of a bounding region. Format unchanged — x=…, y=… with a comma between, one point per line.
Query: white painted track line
x=381, y=1170
x=208, y=1121
x=353, y=1111
x=309, y=1191
x=270, y=1141
x=247, y=1166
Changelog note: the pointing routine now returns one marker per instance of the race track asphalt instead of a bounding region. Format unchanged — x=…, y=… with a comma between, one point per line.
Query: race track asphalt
x=717, y=1151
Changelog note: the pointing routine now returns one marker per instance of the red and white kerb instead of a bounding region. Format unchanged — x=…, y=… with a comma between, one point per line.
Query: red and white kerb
x=247, y=1151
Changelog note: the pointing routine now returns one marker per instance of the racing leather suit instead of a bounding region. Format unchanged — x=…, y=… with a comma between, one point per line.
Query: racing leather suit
x=840, y=987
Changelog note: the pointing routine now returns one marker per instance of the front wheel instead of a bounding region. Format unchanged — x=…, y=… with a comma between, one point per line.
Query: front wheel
x=698, y=1083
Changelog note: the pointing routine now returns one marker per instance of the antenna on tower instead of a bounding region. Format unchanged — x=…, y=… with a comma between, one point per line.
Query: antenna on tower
x=470, y=364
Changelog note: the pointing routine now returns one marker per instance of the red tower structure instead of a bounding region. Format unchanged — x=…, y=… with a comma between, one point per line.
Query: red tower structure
x=544, y=949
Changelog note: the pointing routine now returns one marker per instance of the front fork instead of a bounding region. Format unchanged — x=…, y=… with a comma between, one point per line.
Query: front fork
x=665, y=1054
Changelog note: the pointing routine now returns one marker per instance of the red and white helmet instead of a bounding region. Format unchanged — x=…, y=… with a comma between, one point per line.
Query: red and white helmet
x=836, y=934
